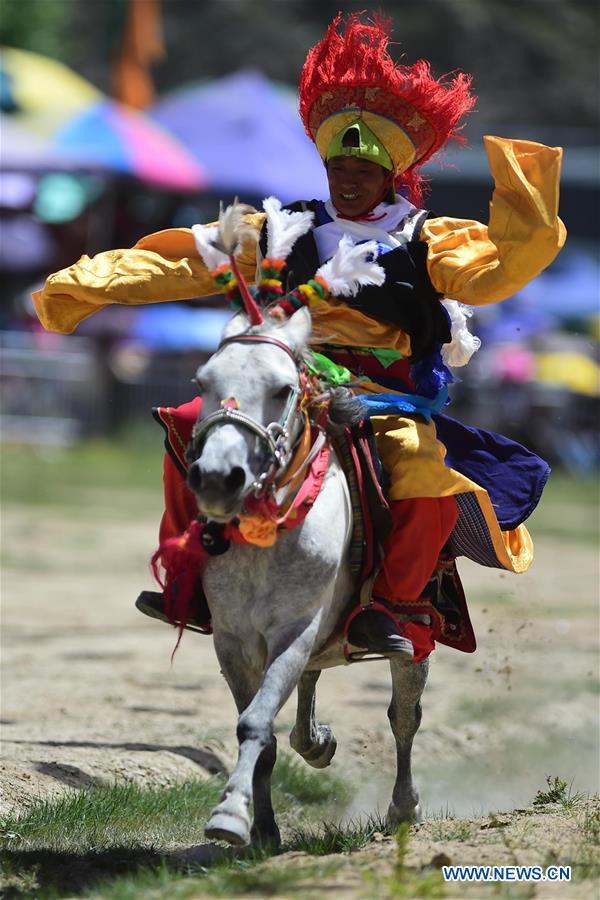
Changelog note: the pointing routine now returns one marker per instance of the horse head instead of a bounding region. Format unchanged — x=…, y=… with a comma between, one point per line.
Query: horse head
x=251, y=411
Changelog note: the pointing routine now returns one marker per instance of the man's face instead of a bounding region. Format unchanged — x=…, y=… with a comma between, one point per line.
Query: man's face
x=355, y=185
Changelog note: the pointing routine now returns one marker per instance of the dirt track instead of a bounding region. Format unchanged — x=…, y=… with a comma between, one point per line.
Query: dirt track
x=89, y=693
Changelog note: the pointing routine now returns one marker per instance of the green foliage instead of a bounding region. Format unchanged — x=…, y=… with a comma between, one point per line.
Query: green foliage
x=450, y=829
x=119, y=832
x=559, y=792
x=38, y=25
x=590, y=826
x=229, y=877
x=120, y=815
x=569, y=510
x=330, y=837
x=129, y=815
x=64, y=476
x=408, y=883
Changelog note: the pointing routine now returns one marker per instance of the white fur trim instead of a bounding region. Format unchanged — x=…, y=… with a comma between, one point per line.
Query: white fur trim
x=463, y=344
x=350, y=268
x=284, y=227
x=204, y=236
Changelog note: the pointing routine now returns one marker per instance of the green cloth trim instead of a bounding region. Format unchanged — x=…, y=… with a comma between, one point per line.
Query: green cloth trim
x=322, y=365
x=384, y=357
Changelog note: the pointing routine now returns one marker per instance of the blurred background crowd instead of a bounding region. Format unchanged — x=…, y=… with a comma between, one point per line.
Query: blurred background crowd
x=123, y=117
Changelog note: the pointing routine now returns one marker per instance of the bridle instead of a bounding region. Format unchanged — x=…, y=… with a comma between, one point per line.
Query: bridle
x=275, y=436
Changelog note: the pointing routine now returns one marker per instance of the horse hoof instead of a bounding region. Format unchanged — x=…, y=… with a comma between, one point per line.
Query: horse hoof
x=229, y=828
x=319, y=754
x=396, y=816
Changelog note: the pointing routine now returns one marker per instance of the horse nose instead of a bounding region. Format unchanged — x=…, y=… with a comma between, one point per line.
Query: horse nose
x=194, y=477
x=235, y=480
x=217, y=483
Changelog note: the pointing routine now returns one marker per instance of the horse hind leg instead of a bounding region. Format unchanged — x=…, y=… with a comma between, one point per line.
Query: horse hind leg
x=315, y=743
x=404, y=713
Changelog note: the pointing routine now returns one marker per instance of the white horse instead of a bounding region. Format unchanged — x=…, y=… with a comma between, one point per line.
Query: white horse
x=274, y=608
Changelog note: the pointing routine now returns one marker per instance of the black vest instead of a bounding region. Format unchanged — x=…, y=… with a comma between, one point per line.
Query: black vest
x=407, y=298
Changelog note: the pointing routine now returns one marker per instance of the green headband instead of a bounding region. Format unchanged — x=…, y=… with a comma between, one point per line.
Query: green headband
x=368, y=146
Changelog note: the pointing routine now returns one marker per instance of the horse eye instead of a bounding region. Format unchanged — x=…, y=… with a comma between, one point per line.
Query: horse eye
x=282, y=393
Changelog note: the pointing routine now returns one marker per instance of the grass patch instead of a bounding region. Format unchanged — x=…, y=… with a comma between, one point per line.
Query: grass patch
x=559, y=793
x=492, y=708
x=586, y=859
x=122, y=815
x=119, y=834
x=228, y=878
x=450, y=829
x=404, y=882
x=130, y=815
x=568, y=509
x=590, y=826
x=330, y=837
x=59, y=475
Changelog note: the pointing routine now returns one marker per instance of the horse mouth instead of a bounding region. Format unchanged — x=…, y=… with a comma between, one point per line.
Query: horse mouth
x=218, y=512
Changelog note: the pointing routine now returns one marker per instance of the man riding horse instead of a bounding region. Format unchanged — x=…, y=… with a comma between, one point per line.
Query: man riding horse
x=452, y=490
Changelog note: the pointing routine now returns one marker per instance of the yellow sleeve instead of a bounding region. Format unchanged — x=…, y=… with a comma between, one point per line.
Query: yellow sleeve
x=481, y=264
x=163, y=266
x=334, y=322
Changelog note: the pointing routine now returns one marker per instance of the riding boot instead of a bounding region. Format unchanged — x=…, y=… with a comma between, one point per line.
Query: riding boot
x=378, y=632
x=151, y=603
x=420, y=528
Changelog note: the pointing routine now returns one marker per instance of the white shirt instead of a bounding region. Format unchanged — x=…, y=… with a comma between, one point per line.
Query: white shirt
x=395, y=228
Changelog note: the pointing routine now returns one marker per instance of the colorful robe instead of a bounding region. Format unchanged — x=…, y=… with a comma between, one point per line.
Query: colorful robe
x=496, y=482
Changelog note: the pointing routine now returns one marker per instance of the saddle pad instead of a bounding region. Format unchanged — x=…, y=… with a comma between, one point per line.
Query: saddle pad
x=371, y=521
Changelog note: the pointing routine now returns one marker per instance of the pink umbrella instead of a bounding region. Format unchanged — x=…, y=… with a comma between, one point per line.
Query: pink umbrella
x=119, y=138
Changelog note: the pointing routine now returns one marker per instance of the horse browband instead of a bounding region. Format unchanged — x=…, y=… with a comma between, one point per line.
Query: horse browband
x=273, y=433
x=259, y=339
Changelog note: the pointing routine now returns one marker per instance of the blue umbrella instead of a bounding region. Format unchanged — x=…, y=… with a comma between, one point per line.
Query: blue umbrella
x=568, y=288
x=248, y=136
x=175, y=327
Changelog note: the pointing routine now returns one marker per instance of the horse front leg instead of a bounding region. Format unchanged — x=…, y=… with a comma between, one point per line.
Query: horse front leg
x=315, y=743
x=404, y=713
x=288, y=651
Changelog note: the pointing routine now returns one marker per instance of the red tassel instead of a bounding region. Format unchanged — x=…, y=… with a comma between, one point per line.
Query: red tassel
x=252, y=311
x=182, y=559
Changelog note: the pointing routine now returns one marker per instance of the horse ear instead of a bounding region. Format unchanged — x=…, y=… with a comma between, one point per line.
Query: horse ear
x=237, y=325
x=297, y=329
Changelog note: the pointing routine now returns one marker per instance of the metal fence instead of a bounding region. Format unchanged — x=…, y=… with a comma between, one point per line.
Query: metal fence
x=50, y=390
x=56, y=390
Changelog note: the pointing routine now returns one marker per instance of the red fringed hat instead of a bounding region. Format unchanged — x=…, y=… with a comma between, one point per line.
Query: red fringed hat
x=350, y=77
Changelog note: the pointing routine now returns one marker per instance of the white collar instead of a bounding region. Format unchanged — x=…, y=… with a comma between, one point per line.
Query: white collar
x=391, y=215
x=329, y=235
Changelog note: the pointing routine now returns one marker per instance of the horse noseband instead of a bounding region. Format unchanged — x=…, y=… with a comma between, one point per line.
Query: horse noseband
x=274, y=436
